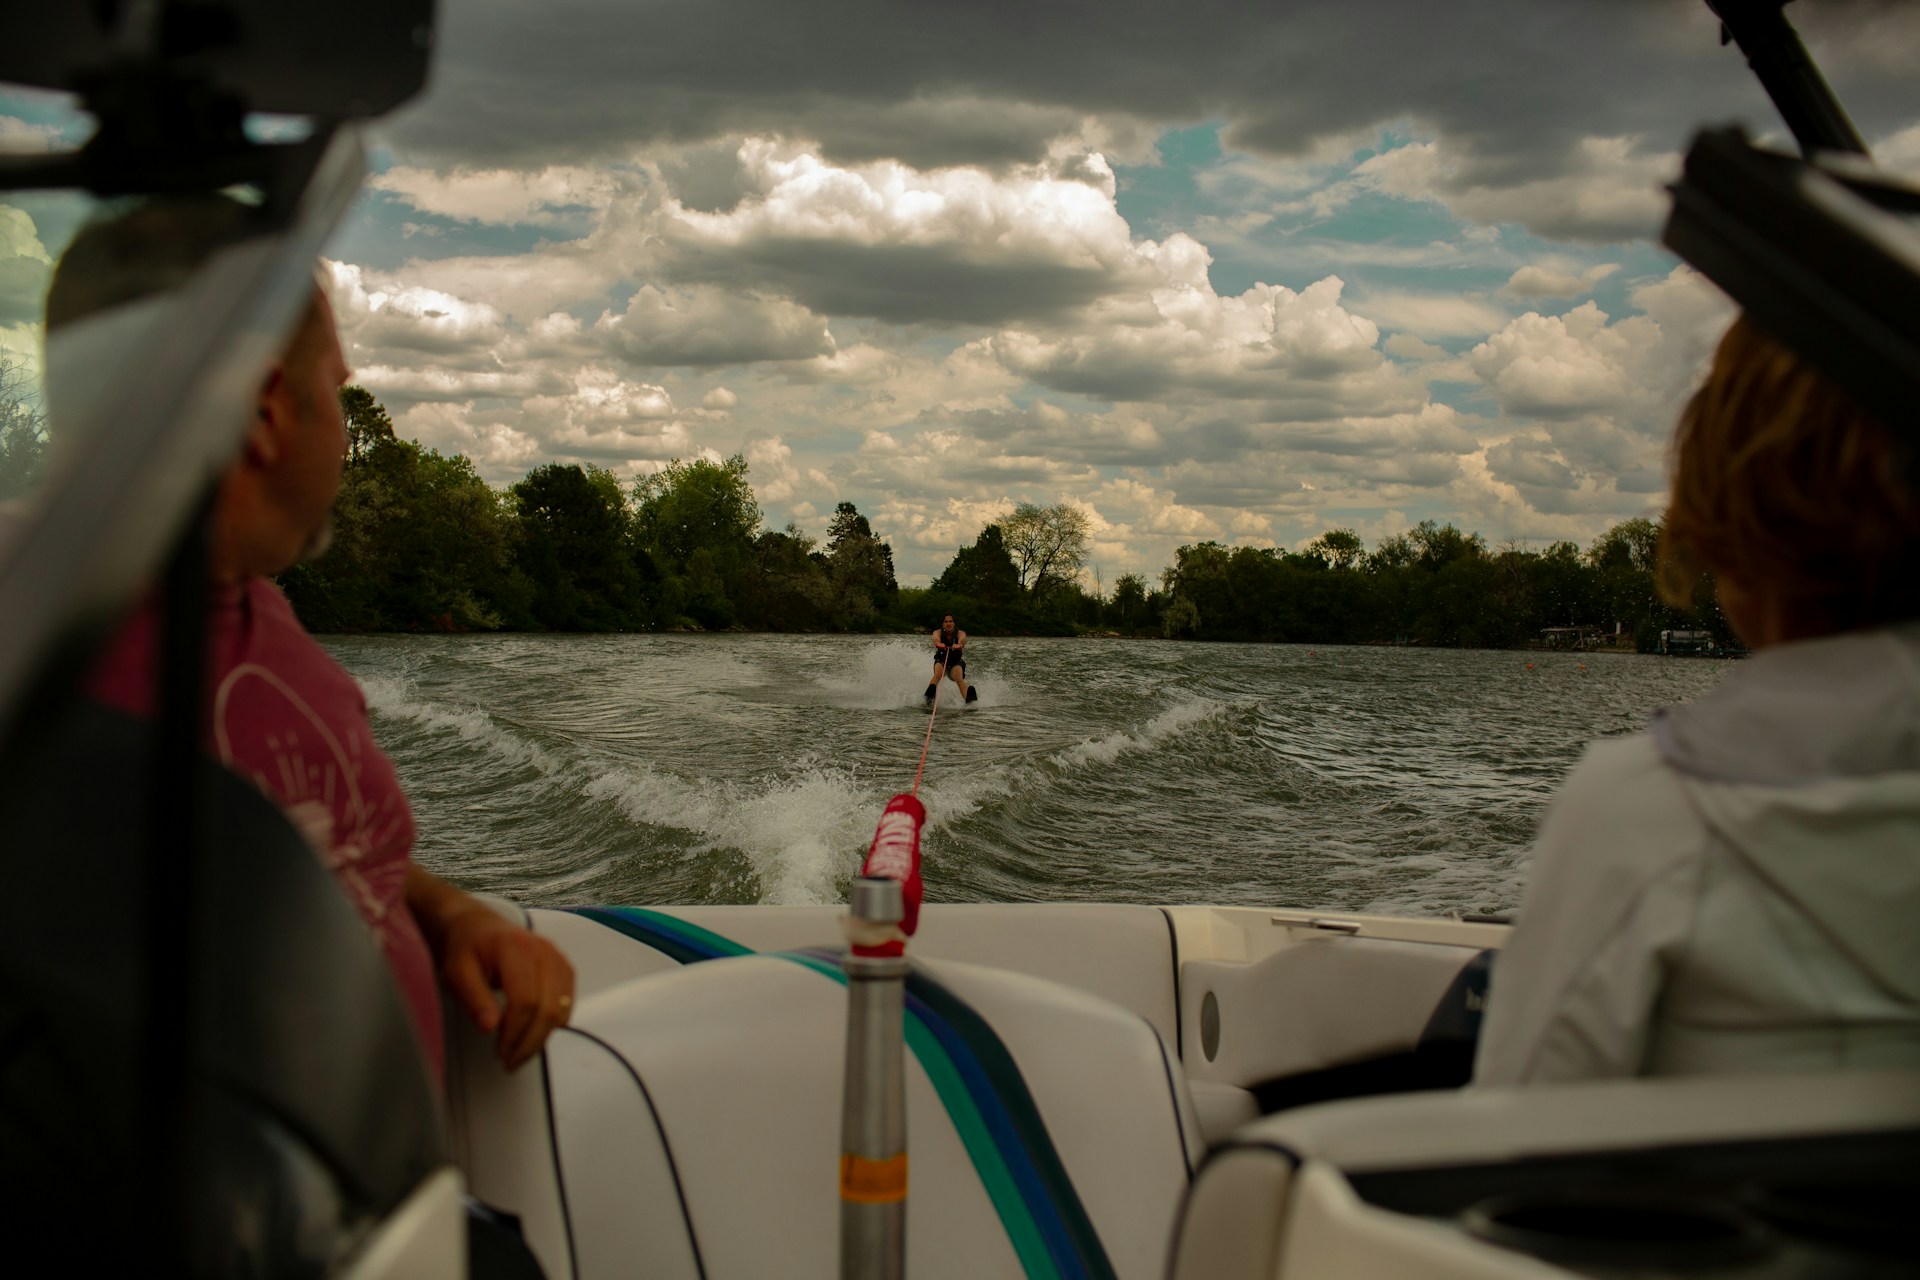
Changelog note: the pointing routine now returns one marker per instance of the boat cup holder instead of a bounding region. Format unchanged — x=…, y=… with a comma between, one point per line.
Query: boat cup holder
x=1637, y=1232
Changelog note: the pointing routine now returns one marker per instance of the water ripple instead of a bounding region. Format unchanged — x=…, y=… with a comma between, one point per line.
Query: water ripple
x=751, y=768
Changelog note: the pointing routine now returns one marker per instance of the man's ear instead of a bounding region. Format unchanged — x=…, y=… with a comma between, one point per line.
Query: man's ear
x=265, y=435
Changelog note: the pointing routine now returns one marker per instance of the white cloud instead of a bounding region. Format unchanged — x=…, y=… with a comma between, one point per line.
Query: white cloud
x=1900, y=152
x=1549, y=279
x=25, y=268
x=1432, y=315
x=21, y=137
x=1610, y=189
x=379, y=314
x=1557, y=366
x=704, y=326
x=1182, y=338
x=506, y=197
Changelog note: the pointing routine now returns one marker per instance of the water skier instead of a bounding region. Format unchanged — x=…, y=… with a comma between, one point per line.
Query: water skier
x=950, y=659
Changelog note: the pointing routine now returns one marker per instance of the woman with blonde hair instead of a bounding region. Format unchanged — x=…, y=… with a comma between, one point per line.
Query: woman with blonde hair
x=1733, y=891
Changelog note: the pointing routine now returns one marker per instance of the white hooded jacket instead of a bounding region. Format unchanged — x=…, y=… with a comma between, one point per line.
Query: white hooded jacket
x=1737, y=890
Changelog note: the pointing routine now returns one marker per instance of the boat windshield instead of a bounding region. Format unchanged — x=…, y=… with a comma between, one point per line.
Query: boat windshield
x=108, y=439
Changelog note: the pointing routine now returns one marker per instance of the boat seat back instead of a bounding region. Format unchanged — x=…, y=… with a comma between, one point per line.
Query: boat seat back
x=688, y=1124
x=1122, y=954
x=1822, y=1167
x=306, y=1115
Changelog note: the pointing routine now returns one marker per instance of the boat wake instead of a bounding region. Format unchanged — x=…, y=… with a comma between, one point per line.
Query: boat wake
x=795, y=835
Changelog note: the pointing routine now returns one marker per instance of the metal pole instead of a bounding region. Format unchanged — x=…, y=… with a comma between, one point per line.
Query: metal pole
x=873, y=1117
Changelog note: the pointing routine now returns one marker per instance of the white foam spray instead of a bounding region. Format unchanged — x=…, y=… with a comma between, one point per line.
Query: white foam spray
x=1175, y=720
x=892, y=674
x=798, y=831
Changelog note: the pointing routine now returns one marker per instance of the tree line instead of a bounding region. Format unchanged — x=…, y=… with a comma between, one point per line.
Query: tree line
x=422, y=543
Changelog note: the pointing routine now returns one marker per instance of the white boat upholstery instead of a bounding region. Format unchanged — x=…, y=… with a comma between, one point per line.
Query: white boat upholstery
x=620, y=1156
x=1123, y=954
x=1319, y=1002
x=1279, y=1202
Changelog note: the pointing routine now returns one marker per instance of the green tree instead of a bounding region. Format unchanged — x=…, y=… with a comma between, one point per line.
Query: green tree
x=575, y=548
x=983, y=571
x=789, y=589
x=688, y=505
x=367, y=422
x=1340, y=548
x=23, y=431
x=1623, y=560
x=1438, y=545
x=860, y=565
x=1631, y=544
x=1128, y=608
x=421, y=542
x=1048, y=544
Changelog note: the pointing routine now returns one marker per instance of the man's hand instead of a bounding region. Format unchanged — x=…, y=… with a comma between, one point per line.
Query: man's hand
x=480, y=954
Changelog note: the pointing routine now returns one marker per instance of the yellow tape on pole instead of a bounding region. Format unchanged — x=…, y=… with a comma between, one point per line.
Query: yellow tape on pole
x=864, y=1181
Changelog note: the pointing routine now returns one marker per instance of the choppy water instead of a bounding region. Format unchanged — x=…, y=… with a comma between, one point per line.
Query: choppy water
x=724, y=768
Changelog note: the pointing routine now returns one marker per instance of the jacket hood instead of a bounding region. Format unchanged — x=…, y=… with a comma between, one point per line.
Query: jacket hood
x=1806, y=762
x=1845, y=706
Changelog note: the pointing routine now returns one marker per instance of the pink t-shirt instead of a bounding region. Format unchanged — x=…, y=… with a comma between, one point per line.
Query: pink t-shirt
x=288, y=717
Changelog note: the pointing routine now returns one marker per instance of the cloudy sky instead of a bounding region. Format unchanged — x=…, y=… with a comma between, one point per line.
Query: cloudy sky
x=1207, y=270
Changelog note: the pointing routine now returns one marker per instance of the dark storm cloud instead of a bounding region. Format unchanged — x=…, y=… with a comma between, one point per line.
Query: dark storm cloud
x=1513, y=81
x=903, y=283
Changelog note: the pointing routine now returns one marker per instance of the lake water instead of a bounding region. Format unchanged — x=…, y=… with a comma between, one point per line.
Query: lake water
x=751, y=768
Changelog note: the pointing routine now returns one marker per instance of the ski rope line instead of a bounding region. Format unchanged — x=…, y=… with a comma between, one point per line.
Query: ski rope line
x=925, y=746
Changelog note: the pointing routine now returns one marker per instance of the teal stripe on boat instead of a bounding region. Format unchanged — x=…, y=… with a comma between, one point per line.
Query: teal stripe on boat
x=686, y=930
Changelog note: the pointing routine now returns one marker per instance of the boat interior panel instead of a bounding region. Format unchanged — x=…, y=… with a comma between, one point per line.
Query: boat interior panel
x=1815, y=1172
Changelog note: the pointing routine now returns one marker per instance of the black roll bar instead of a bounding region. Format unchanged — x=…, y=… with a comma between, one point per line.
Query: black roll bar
x=1788, y=74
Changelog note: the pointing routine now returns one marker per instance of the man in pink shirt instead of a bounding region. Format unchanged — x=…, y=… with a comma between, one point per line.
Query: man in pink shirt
x=284, y=714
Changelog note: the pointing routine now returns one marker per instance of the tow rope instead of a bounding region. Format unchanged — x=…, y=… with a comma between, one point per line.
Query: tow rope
x=932, y=715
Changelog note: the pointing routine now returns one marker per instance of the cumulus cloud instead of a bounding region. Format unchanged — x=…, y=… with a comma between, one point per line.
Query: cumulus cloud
x=1900, y=152
x=1608, y=188
x=25, y=268
x=887, y=240
x=1558, y=366
x=1433, y=315
x=541, y=197
x=705, y=327
x=1269, y=343
x=929, y=289
x=377, y=314
x=1549, y=279
x=24, y=137
x=1603, y=392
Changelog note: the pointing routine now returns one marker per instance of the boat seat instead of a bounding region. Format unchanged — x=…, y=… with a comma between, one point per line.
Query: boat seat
x=1392, y=1187
x=1122, y=954
x=309, y=1135
x=687, y=1124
